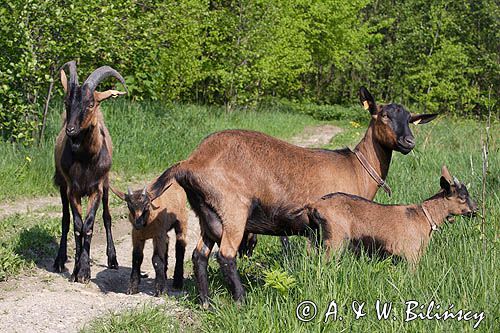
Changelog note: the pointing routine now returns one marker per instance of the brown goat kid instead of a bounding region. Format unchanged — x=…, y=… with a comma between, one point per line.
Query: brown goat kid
x=240, y=181
x=153, y=218
x=401, y=230
x=83, y=153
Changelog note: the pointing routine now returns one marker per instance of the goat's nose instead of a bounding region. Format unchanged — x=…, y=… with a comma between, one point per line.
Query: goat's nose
x=410, y=141
x=70, y=130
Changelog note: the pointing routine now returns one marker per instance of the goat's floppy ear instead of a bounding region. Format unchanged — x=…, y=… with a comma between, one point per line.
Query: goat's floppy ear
x=64, y=81
x=422, y=118
x=118, y=193
x=367, y=101
x=101, y=96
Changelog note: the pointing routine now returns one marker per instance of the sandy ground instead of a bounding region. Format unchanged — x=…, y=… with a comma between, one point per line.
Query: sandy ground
x=42, y=301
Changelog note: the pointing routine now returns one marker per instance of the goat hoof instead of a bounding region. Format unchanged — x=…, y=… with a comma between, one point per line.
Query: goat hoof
x=59, y=265
x=177, y=284
x=207, y=306
x=83, y=275
x=112, y=263
x=132, y=290
x=72, y=278
x=159, y=292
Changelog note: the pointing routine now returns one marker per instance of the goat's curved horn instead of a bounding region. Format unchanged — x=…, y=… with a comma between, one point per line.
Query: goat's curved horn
x=456, y=181
x=129, y=191
x=144, y=190
x=73, y=76
x=99, y=75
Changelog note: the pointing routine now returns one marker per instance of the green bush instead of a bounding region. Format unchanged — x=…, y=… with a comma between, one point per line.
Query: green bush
x=441, y=56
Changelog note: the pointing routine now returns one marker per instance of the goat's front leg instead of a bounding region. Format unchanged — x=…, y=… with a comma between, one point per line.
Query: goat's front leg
x=62, y=254
x=87, y=230
x=137, y=257
x=160, y=245
x=76, y=210
x=106, y=216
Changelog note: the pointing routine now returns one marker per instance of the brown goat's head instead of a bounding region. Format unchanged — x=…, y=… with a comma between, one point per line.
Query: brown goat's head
x=456, y=195
x=391, y=123
x=139, y=206
x=82, y=102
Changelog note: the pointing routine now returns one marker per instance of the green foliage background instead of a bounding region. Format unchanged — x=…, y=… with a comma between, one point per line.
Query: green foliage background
x=437, y=55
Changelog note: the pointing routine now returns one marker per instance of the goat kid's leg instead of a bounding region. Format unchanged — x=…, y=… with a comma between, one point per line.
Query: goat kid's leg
x=160, y=245
x=180, y=251
x=76, y=210
x=106, y=216
x=247, y=245
x=200, y=266
x=62, y=254
x=137, y=257
x=87, y=231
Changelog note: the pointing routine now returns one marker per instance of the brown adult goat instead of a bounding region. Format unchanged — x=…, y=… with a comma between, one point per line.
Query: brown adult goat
x=243, y=181
x=83, y=159
x=401, y=230
x=154, y=218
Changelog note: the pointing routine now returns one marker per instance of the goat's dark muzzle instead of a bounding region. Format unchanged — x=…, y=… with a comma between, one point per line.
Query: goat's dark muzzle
x=139, y=223
x=72, y=131
x=406, y=144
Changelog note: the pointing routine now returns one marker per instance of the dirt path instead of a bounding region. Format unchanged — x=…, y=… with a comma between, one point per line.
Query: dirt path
x=46, y=302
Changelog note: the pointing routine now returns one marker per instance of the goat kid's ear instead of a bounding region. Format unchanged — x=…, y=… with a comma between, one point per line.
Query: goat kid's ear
x=118, y=193
x=64, y=81
x=102, y=96
x=422, y=118
x=367, y=101
x=446, y=174
x=445, y=185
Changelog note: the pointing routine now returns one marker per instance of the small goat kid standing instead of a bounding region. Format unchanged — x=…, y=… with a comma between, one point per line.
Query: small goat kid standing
x=83, y=153
x=154, y=218
x=402, y=230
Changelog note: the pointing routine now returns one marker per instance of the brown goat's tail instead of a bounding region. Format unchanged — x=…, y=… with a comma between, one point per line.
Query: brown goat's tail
x=163, y=182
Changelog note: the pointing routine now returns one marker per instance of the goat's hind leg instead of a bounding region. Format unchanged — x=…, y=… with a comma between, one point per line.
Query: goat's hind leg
x=106, y=216
x=180, y=250
x=62, y=254
x=232, y=234
x=201, y=254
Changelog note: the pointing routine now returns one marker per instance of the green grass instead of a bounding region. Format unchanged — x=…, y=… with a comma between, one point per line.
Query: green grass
x=143, y=319
x=147, y=138
x=23, y=242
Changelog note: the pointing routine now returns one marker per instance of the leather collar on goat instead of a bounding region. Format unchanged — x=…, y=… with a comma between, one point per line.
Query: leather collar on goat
x=434, y=227
x=372, y=172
